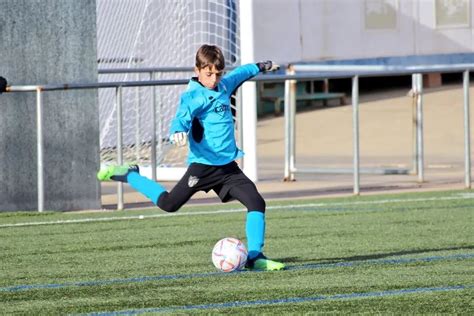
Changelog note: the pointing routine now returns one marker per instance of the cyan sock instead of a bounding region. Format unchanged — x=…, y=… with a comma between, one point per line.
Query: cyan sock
x=145, y=186
x=255, y=230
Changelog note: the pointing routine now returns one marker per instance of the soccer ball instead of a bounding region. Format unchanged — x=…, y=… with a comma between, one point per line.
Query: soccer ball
x=229, y=254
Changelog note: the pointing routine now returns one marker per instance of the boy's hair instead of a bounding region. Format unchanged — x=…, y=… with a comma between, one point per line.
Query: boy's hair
x=208, y=56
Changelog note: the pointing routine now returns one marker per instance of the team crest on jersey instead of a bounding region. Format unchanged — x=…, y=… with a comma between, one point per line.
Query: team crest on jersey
x=192, y=181
x=221, y=109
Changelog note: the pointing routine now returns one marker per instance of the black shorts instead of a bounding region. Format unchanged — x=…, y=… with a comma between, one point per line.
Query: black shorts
x=228, y=181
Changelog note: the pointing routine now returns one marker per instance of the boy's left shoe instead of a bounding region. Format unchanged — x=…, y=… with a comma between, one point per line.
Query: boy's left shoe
x=116, y=173
x=262, y=263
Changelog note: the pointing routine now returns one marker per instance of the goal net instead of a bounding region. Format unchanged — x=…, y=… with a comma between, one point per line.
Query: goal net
x=137, y=34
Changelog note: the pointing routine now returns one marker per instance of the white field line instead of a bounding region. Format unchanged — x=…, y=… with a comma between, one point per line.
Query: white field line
x=275, y=207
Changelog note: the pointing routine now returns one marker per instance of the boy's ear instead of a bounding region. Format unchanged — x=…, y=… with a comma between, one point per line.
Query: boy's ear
x=196, y=71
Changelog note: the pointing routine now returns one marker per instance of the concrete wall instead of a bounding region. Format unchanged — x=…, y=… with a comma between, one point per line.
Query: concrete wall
x=42, y=42
x=310, y=30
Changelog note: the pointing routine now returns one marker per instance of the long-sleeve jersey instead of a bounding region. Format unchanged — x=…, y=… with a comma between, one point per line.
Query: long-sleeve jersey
x=206, y=116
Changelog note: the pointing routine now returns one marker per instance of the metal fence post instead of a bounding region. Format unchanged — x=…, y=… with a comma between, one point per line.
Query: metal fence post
x=161, y=137
x=118, y=101
x=467, y=133
x=414, y=124
x=290, y=118
x=39, y=148
x=355, y=132
x=286, y=113
x=293, y=127
x=419, y=127
x=153, y=130
x=137, y=117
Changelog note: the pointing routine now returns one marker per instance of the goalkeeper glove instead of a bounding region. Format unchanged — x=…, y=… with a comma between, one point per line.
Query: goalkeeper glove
x=268, y=65
x=3, y=85
x=179, y=139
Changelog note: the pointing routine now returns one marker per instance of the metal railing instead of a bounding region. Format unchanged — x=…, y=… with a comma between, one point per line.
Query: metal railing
x=118, y=86
x=355, y=72
x=336, y=72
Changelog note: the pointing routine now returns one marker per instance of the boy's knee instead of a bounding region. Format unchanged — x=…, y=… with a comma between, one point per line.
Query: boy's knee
x=166, y=204
x=258, y=204
x=168, y=207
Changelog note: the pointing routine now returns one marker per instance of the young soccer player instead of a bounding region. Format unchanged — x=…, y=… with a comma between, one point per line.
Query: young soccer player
x=204, y=118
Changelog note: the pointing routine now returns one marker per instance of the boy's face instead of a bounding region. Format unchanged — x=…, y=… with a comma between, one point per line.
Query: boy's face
x=208, y=76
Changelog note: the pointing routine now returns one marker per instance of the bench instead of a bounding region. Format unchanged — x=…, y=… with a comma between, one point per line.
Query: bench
x=274, y=93
x=317, y=96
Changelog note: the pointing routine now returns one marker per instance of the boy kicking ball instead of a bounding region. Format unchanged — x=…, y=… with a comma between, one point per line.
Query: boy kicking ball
x=204, y=118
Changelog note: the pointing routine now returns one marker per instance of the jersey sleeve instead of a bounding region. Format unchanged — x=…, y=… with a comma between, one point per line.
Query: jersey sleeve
x=236, y=77
x=189, y=105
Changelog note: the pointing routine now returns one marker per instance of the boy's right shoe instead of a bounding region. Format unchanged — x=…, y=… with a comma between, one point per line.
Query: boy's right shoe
x=262, y=263
x=116, y=173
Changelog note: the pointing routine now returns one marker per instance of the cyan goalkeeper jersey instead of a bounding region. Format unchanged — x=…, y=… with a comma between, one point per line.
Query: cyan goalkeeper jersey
x=206, y=116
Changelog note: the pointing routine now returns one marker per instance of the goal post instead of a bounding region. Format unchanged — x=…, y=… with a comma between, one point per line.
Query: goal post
x=249, y=93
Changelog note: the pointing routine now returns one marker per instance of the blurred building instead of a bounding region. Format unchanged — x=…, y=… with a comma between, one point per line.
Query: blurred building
x=421, y=31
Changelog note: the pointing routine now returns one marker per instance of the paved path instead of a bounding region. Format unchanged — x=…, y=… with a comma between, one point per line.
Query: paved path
x=324, y=139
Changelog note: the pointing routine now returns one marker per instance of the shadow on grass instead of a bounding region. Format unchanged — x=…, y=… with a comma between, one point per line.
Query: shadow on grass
x=373, y=256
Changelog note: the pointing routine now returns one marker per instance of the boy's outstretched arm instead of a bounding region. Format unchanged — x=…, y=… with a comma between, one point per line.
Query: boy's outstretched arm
x=3, y=84
x=239, y=75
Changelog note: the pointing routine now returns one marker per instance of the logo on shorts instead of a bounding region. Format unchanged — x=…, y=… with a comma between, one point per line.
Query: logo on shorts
x=192, y=181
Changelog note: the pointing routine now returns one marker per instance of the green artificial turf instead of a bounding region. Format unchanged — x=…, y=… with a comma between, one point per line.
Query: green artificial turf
x=405, y=253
